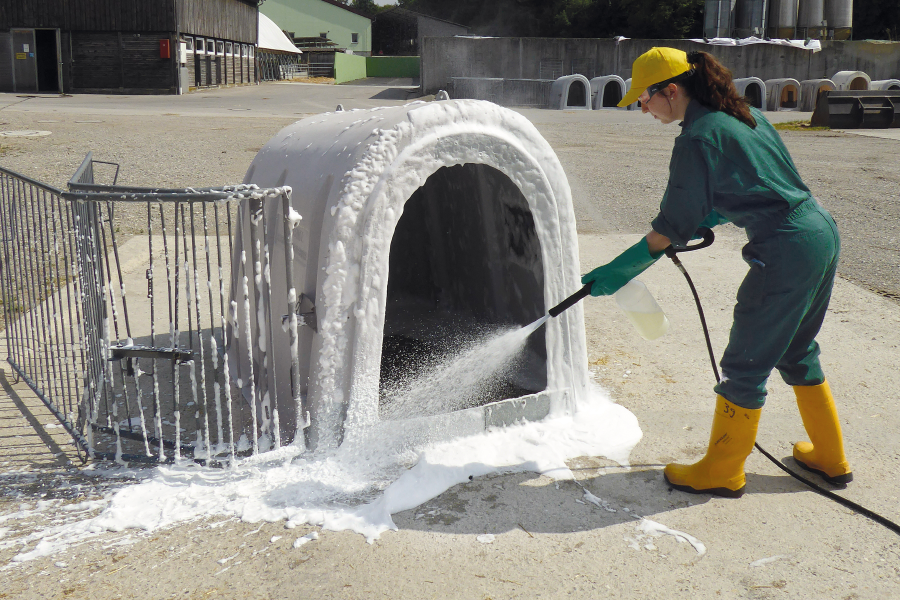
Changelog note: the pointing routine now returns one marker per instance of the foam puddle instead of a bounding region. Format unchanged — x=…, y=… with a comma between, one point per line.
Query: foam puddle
x=375, y=473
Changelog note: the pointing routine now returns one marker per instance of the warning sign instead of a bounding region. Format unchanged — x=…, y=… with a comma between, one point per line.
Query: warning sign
x=21, y=56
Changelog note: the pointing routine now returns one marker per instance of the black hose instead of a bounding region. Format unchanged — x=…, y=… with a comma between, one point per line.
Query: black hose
x=708, y=240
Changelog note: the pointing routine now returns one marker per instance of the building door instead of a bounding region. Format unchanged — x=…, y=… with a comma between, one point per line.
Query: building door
x=24, y=60
x=47, y=57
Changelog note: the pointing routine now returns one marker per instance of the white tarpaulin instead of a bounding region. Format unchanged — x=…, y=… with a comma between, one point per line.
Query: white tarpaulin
x=271, y=37
x=812, y=45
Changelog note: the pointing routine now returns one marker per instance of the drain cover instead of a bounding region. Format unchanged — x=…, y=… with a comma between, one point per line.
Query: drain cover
x=24, y=133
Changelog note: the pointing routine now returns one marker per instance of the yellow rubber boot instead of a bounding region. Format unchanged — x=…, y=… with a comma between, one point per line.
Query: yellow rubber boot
x=824, y=455
x=721, y=471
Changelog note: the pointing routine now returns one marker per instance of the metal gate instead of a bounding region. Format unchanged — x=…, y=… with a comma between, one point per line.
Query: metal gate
x=117, y=309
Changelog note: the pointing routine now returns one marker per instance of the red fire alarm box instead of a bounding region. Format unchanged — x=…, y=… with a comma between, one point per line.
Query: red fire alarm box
x=164, y=51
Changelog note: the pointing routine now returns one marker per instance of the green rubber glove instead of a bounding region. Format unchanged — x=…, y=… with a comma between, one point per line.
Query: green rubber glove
x=712, y=219
x=610, y=277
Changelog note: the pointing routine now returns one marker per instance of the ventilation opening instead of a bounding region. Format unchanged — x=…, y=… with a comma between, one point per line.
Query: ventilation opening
x=612, y=94
x=754, y=94
x=577, y=94
x=465, y=262
x=789, y=97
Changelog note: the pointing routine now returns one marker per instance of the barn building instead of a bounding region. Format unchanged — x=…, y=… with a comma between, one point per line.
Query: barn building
x=126, y=46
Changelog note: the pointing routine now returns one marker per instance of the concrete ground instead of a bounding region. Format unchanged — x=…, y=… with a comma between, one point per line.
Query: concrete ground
x=779, y=541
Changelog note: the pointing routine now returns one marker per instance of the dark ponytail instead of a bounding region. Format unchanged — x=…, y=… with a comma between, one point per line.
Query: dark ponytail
x=712, y=87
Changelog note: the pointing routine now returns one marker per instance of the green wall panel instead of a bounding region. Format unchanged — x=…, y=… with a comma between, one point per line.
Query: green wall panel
x=348, y=67
x=392, y=66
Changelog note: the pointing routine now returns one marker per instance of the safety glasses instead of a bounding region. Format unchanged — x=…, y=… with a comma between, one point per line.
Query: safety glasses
x=652, y=89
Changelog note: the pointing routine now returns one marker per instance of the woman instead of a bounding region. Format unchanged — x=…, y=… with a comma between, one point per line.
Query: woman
x=729, y=164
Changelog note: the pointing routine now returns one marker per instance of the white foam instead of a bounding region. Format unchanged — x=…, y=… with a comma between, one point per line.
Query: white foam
x=356, y=487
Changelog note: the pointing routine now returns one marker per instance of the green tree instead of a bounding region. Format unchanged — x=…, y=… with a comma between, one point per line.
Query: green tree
x=366, y=6
x=664, y=19
x=876, y=19
x=570, y=18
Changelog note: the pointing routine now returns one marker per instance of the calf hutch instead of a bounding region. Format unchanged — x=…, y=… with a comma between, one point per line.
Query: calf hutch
x=126, y=46
x=381, y=272
x=423, y=227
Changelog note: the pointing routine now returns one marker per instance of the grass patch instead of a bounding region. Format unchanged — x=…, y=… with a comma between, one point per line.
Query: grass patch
x=798, y=126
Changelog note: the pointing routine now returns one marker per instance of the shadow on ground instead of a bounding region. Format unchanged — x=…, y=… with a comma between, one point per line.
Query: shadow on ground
x=536, y=504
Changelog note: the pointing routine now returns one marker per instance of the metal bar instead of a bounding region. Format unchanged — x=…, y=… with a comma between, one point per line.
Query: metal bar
x=77, y=291
x=10, y=302
x=256, y=209
x=121, y=352
x=115, y=247
x=226, y=379
x=175, y=365
x=271, y=390
x=81, y=173
x=169, y=275
x=62, y=279
x=157, y=412
x=291, y=219
x=25, y=234
x=213, y=350
x=201, y=362
x=30, y=181
x=109, y=291
x=51, y=284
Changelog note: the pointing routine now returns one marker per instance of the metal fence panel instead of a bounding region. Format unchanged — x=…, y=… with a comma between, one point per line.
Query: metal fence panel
x=117, y=311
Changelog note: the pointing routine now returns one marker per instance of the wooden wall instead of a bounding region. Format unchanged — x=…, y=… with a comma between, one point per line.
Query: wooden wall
x=116, y=61
x=222, y=19
x=89, y=15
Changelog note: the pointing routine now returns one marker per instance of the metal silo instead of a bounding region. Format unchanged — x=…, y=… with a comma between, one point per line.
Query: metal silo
x=839, y=16
x=809, y=19
x=718, y=18
x=750, y=18
x=783, y=19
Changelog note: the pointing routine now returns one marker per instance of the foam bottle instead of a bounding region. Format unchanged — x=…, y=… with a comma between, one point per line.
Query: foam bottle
x=642, y=310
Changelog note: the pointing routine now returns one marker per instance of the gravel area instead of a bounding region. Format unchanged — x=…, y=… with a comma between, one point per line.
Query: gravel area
x=616, y=163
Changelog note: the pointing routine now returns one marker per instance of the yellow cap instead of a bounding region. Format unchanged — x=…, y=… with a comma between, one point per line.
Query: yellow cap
x=654, y=66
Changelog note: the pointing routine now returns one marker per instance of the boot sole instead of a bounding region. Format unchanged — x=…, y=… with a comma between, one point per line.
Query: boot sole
x=720, y=491
x=840, y=480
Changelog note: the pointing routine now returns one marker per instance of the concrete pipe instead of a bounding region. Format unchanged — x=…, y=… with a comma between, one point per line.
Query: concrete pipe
x=571, y=92
x=607, y=91
x=851, y=80
x=754, y=89
x=423, y=227
x=782, y=94
x=885, y=85
x=810, y=90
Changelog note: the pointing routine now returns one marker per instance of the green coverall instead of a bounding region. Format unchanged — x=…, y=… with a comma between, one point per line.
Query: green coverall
x=747, y=176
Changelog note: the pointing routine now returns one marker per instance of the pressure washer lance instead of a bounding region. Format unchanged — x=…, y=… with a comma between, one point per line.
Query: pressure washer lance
x=708, y=239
